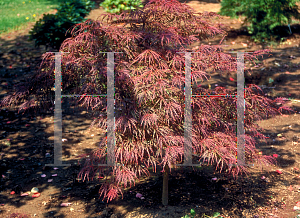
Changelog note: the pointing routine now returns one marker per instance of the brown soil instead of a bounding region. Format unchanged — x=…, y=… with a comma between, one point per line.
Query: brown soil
x=27, y=138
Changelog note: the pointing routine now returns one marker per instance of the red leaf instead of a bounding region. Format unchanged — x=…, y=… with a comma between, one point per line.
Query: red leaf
x=24, y=194
x=36, y=195
x=12, y=193
x=231, y=79
x=279, y=171
x=65, y=204
x=275, y=155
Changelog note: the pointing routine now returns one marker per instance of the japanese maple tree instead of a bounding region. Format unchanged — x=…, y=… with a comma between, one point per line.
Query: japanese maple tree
x=149, y=94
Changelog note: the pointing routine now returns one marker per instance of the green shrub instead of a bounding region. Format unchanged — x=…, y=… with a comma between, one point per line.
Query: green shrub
x=267, y=18
x=118, y=6
x=79, y=7
x=51, y=29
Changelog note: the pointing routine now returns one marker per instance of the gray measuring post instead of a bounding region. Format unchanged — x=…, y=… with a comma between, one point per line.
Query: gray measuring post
x=58, y=111
x=188, y=113
x=240, y=111
x=110, y=110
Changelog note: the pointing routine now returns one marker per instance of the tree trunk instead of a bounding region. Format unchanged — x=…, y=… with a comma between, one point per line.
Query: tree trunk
x=165, y=191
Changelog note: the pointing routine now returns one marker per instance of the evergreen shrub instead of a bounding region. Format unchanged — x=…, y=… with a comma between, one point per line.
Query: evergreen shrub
x=267, y=19
x=51, y=29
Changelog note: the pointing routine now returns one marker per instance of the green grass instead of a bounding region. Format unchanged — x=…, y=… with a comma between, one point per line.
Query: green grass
x=15, y=14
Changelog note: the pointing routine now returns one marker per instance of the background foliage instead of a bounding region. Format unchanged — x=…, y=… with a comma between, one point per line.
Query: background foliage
x=267, y=19
x=51, y=29
x=118, y=6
